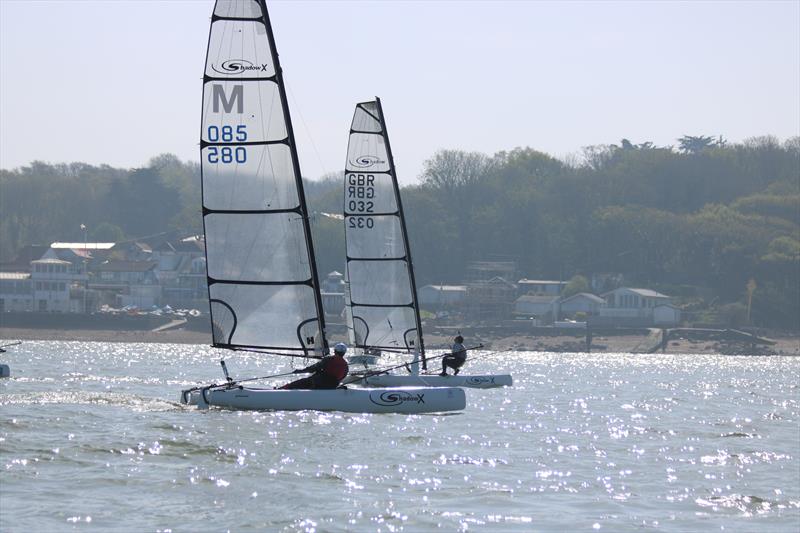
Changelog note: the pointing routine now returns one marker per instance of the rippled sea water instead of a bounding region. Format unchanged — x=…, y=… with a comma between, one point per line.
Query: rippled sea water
x=92, y=439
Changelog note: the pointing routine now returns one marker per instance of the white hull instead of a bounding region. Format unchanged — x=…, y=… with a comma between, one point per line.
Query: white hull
x=432, y=380
x=405, y=400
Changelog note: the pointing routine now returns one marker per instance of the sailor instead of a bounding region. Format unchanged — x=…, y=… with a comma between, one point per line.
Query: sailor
x=456, y=359
x=327, y=373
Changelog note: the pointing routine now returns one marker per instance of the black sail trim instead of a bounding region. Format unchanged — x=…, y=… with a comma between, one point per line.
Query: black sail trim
x=209, y=211
x=233, y=314
x=207, y=78
x=392, y=214
x=349, y=170
x=403, y=258
x=205, y=144
x=302, y=352
x=212, y=281
x=215, y=17
x=354, y=304
x=365, y=110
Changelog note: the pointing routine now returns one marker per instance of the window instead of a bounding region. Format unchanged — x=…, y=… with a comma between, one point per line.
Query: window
x=42, y=305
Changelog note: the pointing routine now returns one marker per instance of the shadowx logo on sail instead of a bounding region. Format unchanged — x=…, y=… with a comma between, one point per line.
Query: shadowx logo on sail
x=366, y=161
x=391, y=398
x=237, y=66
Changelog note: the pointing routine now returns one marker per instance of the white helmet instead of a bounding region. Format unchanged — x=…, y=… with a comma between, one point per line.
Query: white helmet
x=340, y=348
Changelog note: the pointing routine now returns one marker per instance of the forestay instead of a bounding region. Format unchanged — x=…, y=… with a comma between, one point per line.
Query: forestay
x=262, y=280
x=382, y=302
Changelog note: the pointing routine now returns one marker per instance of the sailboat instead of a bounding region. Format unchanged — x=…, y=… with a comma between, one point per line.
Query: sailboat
x=264, y=291
x=382, y=308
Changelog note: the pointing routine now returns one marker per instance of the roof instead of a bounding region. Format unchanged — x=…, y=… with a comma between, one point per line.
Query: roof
x=126, y=266
x=444, y=288
x=190, y=244
x=541, y=281
x=588, y=296
x=649, y=293
x=83, y=245
x=51, y=262
x=143, y=246
x=537, y=299
x=15, y=275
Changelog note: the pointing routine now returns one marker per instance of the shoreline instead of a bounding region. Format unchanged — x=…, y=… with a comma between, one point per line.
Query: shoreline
x=788, y=345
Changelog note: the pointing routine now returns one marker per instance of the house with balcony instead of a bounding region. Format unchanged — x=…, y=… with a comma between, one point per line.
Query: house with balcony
x=127, y=283
x=181, y=271
x=16, y=291
x=332, y=293
x=51, y=281
x=628, y=306
x=540, y=286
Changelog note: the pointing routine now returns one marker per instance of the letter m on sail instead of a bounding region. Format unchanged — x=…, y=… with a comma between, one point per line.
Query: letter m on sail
x=227, y=101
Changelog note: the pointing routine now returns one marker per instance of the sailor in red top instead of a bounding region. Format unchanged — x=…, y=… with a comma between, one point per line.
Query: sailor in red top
x=327, y=373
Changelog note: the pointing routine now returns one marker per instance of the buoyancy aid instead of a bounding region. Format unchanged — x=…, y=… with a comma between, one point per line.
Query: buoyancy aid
x=336, y=367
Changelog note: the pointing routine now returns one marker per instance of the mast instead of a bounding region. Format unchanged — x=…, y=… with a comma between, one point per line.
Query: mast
x=393, y=172
x=298, y=177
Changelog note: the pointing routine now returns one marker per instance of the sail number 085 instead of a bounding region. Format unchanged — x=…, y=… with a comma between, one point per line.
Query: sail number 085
x=227, y=154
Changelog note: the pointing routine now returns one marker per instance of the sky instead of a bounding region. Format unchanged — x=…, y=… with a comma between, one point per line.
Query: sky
x=119, y=81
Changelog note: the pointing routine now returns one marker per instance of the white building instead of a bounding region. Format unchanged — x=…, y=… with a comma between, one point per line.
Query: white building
x=16, y=291
x=540, y=286
x=539, y=306
x=636, y=307
x=51, y=280
x=438, y=296
x=583, y=302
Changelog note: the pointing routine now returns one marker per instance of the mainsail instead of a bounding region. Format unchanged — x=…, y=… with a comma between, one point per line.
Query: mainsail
x=382, y=299
x=262, y=279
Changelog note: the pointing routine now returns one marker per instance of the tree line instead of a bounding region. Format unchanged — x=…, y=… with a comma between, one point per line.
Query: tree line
x=697, y=221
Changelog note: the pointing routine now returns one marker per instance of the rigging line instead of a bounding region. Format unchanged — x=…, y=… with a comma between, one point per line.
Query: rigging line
x=305, y=126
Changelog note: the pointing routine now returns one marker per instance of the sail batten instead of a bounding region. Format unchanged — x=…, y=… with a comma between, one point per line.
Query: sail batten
x=382, y=308
x=262, y=280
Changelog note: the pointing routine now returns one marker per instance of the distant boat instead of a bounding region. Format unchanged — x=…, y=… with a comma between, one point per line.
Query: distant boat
x=382, y=309
x=263, y=287
x=5, y=370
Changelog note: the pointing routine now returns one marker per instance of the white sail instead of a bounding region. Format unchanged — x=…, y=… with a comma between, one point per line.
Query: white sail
x=382, y=302
x=262, y=280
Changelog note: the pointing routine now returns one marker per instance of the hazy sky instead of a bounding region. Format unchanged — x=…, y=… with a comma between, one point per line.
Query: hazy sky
x=118, y=82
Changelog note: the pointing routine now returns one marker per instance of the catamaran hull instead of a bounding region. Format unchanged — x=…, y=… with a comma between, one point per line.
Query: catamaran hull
x=474, y=382
x=405, y=400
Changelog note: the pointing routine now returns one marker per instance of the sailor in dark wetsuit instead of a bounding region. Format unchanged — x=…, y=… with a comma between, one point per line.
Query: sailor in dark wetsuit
x=327, y=373
x=457, y=357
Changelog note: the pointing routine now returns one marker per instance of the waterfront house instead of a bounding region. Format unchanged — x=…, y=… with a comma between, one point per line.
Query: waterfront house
x=127, y=283
x=541, y=306
x=332, y=293
x=583, y=302
x=51, y=281
x=540, y=286
x=628, y=306
x=16, y=291
x=436, y=297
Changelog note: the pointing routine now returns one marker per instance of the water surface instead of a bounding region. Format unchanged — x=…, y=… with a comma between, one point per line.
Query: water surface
x=92, y=439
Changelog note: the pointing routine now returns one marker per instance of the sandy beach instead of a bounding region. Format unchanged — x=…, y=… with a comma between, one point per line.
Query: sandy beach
x=785, y=344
